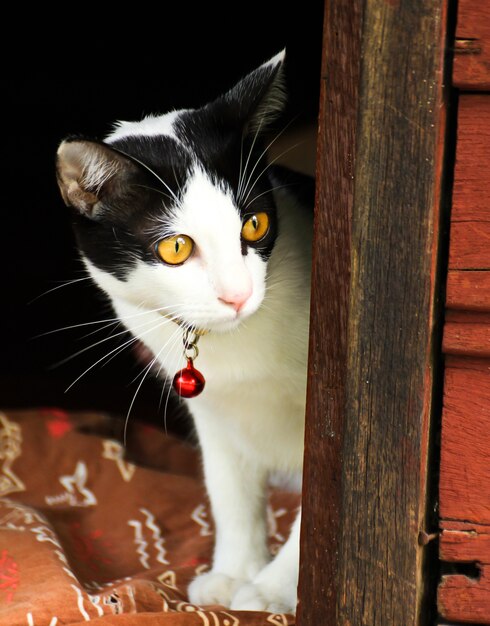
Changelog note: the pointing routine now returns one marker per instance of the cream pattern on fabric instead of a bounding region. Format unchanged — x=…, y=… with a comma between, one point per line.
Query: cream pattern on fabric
x=210, y=618
x=140, y=539
x=200, y=516
x=90, y=550
x=76, y=492
x=169, y=579
x=278, y=620
x=10, y=449
x=114, y=451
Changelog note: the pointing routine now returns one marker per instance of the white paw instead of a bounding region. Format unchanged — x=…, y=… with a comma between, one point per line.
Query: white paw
x=213, y=588
x=264, y=597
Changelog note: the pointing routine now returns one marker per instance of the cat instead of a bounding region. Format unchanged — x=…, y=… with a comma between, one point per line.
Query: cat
x=185, y=226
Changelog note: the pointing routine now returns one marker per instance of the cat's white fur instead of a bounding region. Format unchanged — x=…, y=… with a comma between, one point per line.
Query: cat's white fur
x=149, y=126
x=250, y=416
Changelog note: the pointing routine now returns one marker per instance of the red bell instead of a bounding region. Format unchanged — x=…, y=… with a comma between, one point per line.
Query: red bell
x=188, y=382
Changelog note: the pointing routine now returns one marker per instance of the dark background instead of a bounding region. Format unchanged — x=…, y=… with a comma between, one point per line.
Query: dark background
x=79, y=76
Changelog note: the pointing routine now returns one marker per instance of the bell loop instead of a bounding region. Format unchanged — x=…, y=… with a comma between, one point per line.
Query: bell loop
x=191, y=352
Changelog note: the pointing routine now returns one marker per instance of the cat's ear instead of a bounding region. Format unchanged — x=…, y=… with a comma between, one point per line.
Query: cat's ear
x=91, y=174
x=259, y=98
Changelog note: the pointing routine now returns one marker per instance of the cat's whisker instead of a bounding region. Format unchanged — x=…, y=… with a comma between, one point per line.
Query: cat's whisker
x=179, y=186
x=126, y=421
x=242, y=187
x=129, y=342
x=239, y=184
x=118, y=351
x=265, y=306
x=146, y=371
x=118, y=348
x=270, y=163
x=155, y=190
x=148, y=168
x=83, y=350
x=64, y=284
x=73, y=326
x=114, y=319
x=101, y=341
x=122, y=348
x=276, y=137
x=278, y=282
x=265, y=192
x=167, y=382
x=114, y=325
x=175, y=338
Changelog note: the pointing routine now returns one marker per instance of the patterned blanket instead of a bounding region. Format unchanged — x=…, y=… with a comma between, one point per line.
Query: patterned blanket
x=94, y=531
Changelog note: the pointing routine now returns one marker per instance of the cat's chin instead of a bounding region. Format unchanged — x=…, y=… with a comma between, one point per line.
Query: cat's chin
x=225, y=327
x=221, y=326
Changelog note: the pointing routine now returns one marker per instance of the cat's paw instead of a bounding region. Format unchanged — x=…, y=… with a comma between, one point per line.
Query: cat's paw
x=263, y=596
x=213, y=588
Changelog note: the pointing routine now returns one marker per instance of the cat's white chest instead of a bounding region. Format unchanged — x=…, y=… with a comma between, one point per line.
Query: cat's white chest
x=255, y=382
x=262, y=415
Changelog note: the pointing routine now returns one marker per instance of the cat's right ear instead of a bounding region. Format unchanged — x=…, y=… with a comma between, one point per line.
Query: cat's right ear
x=90, y=175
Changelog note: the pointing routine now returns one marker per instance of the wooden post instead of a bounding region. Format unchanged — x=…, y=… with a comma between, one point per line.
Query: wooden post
x=321, y=523
x=371, y=378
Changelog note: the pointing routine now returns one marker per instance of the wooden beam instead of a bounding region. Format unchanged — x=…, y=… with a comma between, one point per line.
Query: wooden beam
x=370, y=384
x=393, y=310
x=321, y=521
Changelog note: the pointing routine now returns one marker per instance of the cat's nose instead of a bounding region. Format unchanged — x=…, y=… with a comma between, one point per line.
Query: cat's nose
x=236, y=300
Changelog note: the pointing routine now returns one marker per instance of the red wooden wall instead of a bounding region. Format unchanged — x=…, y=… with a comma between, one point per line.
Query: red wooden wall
x=464, y=594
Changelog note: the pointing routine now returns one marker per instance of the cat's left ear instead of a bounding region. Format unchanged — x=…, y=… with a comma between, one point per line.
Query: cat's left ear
x=259, y=98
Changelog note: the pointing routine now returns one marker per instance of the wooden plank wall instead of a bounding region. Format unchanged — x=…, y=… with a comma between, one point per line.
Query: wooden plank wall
x=471, y=70
x=464, y=592
x=464, y=596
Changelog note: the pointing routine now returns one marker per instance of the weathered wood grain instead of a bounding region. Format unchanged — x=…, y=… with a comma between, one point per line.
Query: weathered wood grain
x=321, y=521
x=469, y=247
x=465, y=542
x=462, y=598
x=465, y=442
x=471, y=190
x=468, y=363
x=471, y=65
x=397, y=185
x=463, y=526
x=469, y=339
x=468, y=290
x=464, y=488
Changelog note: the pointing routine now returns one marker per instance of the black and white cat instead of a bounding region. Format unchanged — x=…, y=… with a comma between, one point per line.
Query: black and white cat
x=184, y=225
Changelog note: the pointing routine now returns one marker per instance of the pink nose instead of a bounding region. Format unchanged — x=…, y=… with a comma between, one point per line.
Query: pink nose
x=236, y=300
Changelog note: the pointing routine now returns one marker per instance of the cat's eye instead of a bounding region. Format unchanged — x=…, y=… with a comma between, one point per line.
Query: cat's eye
x=175, y=250
x=255, y=227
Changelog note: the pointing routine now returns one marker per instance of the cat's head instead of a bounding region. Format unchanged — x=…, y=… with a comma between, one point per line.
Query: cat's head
x=175, y=212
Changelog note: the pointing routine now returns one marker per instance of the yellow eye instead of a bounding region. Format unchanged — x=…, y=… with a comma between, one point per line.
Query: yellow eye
x=255, y=227
x=175, y=250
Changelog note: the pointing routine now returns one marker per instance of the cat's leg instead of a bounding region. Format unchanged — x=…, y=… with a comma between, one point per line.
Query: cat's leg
x=274, y=588
x=235, y=487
